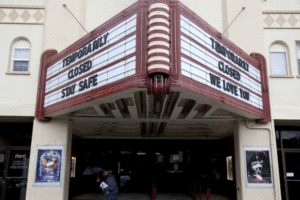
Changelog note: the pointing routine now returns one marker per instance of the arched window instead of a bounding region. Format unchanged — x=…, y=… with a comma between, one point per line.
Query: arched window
x=279, y=58
x=20, y=55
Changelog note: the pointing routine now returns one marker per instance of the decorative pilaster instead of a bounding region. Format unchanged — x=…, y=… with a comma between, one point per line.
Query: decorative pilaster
x=158, y=60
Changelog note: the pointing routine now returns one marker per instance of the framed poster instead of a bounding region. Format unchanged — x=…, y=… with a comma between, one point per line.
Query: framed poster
x=258, y=167
x=48, y=166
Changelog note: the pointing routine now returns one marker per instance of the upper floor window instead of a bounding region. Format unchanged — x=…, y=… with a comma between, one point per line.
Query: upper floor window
x=298, y=55
x=279, y=59
x=20, y=55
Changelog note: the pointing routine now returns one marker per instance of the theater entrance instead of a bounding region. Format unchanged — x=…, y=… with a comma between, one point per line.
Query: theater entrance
x=155, y=167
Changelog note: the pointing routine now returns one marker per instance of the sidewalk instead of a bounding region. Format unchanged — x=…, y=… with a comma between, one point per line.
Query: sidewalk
x=145, y=196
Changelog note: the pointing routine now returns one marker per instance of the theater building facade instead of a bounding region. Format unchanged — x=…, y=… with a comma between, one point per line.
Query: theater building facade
x=166, y=94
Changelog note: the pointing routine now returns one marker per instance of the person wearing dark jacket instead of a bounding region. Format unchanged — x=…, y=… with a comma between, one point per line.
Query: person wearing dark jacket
x=111, y=191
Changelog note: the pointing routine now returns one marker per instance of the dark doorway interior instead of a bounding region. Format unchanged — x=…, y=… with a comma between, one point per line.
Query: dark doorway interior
x=171, y=165
x=15, y=141
x=288, y=149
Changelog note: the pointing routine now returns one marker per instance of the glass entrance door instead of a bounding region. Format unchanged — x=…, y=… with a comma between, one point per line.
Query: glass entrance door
x=17, y=173
x=292, y=174
x=14, y=163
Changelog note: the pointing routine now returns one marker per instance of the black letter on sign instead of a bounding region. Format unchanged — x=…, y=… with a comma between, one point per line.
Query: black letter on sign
x=212, y=43
x=105, y=38
x=215, y=80
x=95, y=45
x=71, y=75
x=63, y=93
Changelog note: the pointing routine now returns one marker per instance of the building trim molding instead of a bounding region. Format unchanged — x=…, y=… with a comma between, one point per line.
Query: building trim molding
x=22, y=6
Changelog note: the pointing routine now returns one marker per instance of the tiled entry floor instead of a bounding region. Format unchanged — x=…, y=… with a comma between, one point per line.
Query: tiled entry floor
x=142, y=196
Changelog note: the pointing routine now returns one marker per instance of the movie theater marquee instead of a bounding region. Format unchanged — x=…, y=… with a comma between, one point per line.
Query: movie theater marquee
x=154, y=38
x=236, y=77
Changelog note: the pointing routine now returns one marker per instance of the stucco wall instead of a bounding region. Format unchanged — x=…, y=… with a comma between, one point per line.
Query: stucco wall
x=284, y=91
x=55, y=132
x=250, y=134
x=281, y=5
x=18, y=92
x=246, y=30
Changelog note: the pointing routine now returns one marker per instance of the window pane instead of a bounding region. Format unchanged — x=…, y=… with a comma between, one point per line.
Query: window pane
x=291, y=139
x=298, y=55
x=278, y=62
x=20, y=66
x=278, y=140
x=22, y=53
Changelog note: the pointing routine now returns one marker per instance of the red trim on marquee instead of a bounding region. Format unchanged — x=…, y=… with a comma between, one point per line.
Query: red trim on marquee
x=141, y=39
x=175, y=38
x=158, y=62
x=158, y=71
x=160, y=32
x=39, y=111
x=158, y=24
x=265, y=88
x=150, y=2
x=158, y=54
x=158, y=39
x=159, y=9
x=158, y=47
x=159, y=17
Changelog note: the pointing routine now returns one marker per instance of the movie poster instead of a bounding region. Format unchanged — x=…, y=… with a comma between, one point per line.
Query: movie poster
x=48, y=167
x=258, y=167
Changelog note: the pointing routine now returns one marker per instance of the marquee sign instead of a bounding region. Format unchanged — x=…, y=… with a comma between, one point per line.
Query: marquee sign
x=153, y=40
x=211, y=65
x=60, y=84
x=230, y=74
x=93, y=65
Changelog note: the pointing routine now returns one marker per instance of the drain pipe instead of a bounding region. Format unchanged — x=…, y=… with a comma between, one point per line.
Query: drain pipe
x=273, y=149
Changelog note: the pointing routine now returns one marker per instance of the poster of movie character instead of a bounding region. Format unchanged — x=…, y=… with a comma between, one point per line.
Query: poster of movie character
x=48, y=168
x=258, y=167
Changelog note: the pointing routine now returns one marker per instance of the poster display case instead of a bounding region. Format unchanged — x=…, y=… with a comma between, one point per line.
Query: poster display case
x=48, y=166
x=258, y=167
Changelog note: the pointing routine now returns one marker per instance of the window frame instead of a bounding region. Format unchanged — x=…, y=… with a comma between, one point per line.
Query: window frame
x=280, y=47
x=14, y=45
x=298, y=62
x=19, y=59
